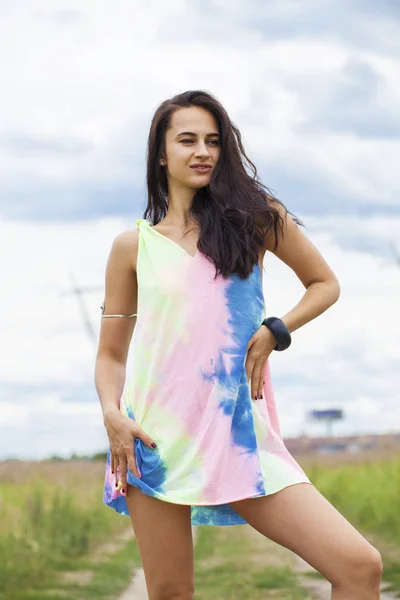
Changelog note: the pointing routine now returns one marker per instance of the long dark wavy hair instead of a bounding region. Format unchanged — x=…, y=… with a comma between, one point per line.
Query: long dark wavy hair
x=233, y=211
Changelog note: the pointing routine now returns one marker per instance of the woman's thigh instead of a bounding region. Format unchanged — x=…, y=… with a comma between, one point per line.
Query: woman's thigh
x=300, y=518
x=164, y=537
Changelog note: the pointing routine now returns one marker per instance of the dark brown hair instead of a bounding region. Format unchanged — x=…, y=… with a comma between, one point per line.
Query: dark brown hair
x=233, y=211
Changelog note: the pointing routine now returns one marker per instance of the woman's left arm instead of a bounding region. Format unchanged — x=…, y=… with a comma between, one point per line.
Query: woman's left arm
x=322, y=290
x=298, y=252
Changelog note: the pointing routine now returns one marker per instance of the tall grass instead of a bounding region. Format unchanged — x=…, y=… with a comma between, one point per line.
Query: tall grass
x=50, y=514
x=367, y=493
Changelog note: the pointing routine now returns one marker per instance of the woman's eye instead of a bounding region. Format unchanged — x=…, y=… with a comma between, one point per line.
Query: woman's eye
x=216, y=142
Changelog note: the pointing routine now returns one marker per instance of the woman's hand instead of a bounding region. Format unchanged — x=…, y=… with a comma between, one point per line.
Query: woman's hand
x=122, y=431
x=259, y=348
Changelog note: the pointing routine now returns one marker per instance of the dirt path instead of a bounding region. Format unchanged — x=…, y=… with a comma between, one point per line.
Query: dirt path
x=137, y=589
x=101, y=554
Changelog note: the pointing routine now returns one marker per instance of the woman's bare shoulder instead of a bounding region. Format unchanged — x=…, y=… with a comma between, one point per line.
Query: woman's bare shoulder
x=126, y=245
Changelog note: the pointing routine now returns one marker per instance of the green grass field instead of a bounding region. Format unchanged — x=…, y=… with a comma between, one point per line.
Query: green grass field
x=366, y=493
x=53, y=522
x=51, y=519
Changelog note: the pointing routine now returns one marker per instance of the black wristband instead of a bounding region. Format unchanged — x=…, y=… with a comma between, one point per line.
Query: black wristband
x=280, y=332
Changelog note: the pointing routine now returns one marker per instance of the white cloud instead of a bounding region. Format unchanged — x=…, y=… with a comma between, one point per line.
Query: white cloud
x=91, y=80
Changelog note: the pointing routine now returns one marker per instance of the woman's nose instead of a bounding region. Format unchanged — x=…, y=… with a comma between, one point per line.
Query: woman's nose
x=202, y=150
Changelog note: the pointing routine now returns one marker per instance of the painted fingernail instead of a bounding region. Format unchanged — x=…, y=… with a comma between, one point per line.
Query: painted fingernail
x=154, y=445
x=123, y=491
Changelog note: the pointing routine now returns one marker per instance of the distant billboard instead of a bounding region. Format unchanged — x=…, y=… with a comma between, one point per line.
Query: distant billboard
x=329, y=414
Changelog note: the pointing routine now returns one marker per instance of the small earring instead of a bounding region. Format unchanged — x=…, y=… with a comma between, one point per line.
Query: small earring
x=162, y=162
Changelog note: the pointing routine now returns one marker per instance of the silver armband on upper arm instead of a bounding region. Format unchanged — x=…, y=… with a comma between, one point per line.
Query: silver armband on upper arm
x=103, y=316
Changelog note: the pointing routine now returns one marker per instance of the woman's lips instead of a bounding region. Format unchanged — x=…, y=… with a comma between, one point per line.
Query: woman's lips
x=201, y=170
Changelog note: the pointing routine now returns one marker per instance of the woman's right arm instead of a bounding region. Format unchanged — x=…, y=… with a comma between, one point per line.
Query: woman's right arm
x=112, y=354
x=116, y=333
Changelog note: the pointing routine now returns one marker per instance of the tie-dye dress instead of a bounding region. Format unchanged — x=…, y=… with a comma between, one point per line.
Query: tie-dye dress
x=189, y=391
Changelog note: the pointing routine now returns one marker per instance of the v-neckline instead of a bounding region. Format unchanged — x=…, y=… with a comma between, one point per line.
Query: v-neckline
x=191, y=256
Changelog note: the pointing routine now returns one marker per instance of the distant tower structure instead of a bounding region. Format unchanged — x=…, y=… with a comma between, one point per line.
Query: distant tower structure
x=79, y=292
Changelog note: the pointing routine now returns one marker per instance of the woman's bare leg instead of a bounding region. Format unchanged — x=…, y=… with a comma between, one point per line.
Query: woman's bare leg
x=300, y=518
x=164, y=537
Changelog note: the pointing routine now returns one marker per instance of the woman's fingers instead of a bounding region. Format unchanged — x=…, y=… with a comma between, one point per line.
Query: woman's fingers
x=113, y=463
x=116, y=468
x=252, y=371
x=254, y=383
x=131, y=462
x=118, y=465
x=257, y=380
x=123, y=456
x=146, y=439
x=249, y=369
x=127, y=461
x=260, y=384
x=122, y=475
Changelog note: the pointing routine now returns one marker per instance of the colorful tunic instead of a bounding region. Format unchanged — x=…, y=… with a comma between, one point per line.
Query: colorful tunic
x=189, y=389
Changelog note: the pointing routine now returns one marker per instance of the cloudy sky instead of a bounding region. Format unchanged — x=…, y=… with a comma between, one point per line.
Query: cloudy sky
x=314, y=87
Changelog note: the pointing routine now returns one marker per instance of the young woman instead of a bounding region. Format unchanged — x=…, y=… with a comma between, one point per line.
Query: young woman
x=194, y=436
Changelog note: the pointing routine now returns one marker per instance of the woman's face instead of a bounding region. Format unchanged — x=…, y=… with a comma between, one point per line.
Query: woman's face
x=192, y=138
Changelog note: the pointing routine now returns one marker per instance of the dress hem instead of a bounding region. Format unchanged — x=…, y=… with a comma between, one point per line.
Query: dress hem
x=221, y=514
x=219, y=503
